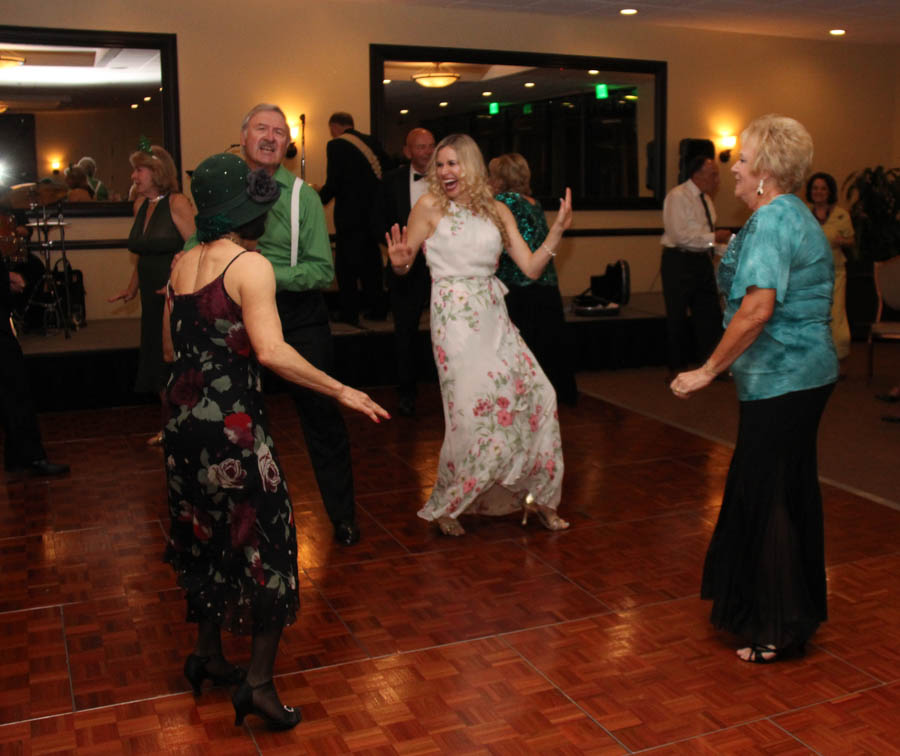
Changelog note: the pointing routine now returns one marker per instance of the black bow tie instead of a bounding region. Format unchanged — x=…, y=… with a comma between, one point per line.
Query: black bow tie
x=417, y=176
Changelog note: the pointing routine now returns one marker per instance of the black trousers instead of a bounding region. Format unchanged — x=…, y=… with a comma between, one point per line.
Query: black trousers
x=357, y=263
x=304, y=320
x=22, y=443
x=537, y=311
x=689, y=285
x=410, y=295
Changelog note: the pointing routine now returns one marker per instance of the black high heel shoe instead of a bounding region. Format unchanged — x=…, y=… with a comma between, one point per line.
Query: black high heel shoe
x=243, y=705
x=758, y=652
x=195, y=670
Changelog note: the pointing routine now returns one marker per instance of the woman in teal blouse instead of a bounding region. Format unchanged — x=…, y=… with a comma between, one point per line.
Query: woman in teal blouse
x=765, y=568
x=534, y=306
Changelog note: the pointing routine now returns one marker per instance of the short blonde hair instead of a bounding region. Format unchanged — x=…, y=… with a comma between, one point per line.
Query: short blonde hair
x=510, y=173
x=473, y=179
x=161, y=165
x=784, y=149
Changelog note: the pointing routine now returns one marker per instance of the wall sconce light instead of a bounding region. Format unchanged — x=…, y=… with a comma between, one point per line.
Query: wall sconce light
x=55, y=165
x=728, y=142
x=435, y=77
x=10, y=60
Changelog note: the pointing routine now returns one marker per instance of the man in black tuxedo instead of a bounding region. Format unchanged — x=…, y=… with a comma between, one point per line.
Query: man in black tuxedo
x=409, y=293
x=22, y=447
x=356, y=163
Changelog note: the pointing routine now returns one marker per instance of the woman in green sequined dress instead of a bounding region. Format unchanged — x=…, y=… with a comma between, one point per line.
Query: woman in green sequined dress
x=535, y=306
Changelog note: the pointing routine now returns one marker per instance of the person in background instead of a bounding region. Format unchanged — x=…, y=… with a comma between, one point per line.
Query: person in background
x=79, y=189
x=502, y=451
x=356, y=165
x=821, y=193
x=163, y=220
x=89, y=166
x=765, y=567
x=23, y=450
x=688, y=278
x=408, y=293
x=534, y=306
x=233, y=539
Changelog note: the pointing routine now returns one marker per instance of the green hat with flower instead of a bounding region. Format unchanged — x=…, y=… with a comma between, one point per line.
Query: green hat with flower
x=229, y=195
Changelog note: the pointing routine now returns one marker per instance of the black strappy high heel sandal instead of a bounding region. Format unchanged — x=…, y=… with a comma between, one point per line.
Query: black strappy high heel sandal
x=243, y=705
x=792, y=650
x=195, y=670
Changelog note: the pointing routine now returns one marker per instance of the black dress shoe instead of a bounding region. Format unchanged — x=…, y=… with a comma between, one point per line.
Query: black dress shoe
x=890, y=398
x=45, y=467
x=346, y=533
x=891, y=418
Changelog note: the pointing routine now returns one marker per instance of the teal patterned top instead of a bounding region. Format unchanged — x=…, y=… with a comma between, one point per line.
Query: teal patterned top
x=782, y=247
x=533, y=227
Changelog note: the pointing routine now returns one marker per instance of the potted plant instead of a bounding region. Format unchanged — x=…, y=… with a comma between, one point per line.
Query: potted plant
x=874, y=197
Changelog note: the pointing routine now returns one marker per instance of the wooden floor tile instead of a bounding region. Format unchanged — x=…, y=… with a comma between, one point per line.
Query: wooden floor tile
x=661, y=674
x=761, y=738
x=34, y=679
x=478, y=697
x=867, y=722
x=442, y=597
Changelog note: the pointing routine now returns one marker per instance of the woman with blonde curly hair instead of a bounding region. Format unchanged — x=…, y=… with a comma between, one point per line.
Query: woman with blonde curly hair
x=501, y=451
x=765, y=567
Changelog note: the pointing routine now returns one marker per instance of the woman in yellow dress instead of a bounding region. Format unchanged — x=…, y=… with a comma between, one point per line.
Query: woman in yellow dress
x=821, y=193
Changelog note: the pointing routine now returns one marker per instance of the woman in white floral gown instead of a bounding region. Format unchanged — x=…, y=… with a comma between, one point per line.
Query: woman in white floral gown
x=502, y=450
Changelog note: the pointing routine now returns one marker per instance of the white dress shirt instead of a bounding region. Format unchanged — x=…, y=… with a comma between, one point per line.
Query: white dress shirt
x=684, y=220
x=416, y=188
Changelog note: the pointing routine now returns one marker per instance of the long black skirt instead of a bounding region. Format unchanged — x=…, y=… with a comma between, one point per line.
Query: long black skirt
x=765, y=567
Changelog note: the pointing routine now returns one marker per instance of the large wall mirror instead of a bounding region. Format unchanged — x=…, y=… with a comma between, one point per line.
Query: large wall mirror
x=66, y=94
x=595, y=124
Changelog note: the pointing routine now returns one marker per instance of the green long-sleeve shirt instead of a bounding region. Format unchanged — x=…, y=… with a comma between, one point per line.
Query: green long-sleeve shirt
x=315, y=266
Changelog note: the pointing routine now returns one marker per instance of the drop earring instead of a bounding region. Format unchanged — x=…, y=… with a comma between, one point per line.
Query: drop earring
x=759, y=187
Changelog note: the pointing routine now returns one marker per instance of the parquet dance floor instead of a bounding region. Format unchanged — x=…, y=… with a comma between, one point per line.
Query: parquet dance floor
x=509, y=640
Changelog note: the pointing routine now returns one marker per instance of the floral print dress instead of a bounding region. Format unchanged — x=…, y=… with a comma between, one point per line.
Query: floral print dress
x=501, y=432
x=232, y=541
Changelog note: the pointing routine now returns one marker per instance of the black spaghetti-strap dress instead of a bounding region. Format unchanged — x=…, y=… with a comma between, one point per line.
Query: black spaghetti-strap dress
x=232, y=541
x=155, y=246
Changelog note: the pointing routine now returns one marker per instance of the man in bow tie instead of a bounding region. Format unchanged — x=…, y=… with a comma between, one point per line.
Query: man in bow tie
x=409, y=293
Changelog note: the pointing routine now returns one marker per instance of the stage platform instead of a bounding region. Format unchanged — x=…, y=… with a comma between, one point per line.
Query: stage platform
x=96, y=366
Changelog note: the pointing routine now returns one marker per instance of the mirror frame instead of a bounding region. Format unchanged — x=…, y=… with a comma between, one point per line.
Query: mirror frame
x=379, y=54
x=168, y=54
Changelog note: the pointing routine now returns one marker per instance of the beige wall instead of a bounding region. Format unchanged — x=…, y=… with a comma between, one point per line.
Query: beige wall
x=312, y=57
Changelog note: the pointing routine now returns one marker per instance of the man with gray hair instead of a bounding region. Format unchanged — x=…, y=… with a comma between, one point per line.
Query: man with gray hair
x=89, y=166
x=296, y=243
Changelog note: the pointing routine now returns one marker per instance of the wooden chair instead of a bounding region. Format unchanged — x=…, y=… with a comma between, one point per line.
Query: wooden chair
x=887, y=286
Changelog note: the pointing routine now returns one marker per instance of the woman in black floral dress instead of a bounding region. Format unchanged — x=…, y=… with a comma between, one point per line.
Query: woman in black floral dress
x=232, y=542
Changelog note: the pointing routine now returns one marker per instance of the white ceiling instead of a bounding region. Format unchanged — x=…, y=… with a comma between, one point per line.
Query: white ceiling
x=866, y=21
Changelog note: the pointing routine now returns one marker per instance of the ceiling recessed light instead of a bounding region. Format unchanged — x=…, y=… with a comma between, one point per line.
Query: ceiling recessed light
x=628, y=11
x=385, y=81
x=529, y=84
x=443, y=104
x=837, y=32
x=404, y=111
x=486, y=94
x=134, y=106
x=593, y=71
x=147, y=99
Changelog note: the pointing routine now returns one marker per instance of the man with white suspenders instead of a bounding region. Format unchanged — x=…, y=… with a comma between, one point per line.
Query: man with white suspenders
x=296, y=243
